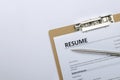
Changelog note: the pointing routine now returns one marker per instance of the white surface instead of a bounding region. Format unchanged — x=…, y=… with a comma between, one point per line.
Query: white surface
x=25, y=50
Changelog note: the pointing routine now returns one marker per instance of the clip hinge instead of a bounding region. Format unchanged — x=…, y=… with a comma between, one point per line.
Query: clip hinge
x=94, y=23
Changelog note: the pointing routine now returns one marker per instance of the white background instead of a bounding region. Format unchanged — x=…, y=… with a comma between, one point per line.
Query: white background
x=25, y=49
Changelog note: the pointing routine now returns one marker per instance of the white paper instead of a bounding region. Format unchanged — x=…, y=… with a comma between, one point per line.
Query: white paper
x=88, y=66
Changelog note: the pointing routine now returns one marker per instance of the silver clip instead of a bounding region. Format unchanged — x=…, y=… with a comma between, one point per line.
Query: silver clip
x=94, y=23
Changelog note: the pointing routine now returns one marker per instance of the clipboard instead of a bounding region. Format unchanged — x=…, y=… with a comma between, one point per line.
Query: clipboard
x=66, y=30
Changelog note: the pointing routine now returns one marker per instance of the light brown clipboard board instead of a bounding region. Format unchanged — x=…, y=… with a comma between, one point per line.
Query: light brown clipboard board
x=58, y=32
x=62, y=31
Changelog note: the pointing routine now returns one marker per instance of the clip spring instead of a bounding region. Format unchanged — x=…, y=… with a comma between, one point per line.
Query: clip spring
x=94, y=23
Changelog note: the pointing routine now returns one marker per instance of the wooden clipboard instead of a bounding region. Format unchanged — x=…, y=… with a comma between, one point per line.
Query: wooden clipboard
x=66, y=30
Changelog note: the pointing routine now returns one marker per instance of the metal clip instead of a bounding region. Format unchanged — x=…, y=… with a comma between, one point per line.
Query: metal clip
x=94, y=23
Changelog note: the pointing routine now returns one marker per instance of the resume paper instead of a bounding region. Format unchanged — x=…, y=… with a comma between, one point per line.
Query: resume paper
x=89, y=66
